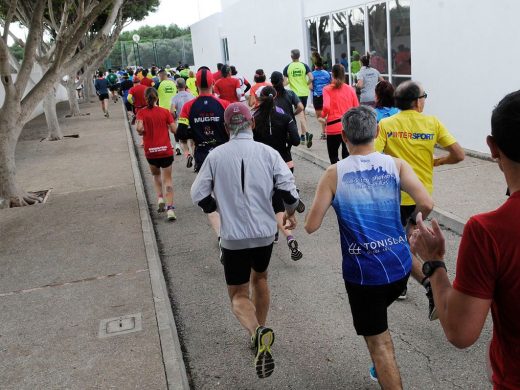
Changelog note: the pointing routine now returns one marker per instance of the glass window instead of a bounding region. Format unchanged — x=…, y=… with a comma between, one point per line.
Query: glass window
x=396, y=80
x=324, y=37
x=340, y=40
x=356, y=20
x=400, y=37
x=377, y=37
x=312, y=38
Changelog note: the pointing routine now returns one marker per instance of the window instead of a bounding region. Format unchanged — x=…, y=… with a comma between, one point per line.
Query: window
x=225, y=51
x=382, y=28
x=400, y=38
x=341, y=49
x=324, y=38
x=377, y=37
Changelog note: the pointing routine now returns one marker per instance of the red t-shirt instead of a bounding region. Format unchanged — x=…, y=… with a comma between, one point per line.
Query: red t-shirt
x=147, y=82
x=336, y=102
x=226, y=88
x=488, y=267
x=156, y=137
x=137, y=92
x=217, y=75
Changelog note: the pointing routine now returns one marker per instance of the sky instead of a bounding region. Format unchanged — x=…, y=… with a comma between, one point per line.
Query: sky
x=180, y=12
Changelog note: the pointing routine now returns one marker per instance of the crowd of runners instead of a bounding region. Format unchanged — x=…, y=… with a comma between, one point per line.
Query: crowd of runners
x=238, y=137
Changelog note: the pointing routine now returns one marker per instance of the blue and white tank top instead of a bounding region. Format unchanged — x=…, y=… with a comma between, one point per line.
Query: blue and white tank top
x=373, y=241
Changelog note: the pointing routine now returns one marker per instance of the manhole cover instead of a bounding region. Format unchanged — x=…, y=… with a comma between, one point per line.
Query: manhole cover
x=120, y=325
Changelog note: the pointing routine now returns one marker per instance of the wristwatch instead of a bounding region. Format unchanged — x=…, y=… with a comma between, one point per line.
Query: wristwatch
x=429, y=267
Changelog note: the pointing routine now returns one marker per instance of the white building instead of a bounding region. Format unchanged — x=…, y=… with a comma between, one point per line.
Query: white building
x=464, y=52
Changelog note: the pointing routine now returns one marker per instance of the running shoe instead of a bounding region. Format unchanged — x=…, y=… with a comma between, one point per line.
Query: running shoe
x=301, y=207
x=432, y=311
x=308, y=138
x=403, y=294
x=189, y=162
x=323, y=136
x=276, y=238
x=170, y=215
x=264, y=362
x=178, y=151
x=133, y=119
x=161, y=205
x=373, y=373
x=302, y=139
x=296, y=254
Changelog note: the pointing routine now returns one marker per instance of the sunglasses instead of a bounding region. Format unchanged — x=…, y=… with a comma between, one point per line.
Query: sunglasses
x=422, y=96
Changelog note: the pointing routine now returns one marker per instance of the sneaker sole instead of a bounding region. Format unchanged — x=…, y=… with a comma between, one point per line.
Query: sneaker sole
x=296, y=254
x=301, y=207
x=264, y=362
x=189, y=163
x=172, y=218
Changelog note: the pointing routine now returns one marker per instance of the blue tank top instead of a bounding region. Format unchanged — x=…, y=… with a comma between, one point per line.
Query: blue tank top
x=321, y=80
x=373, y=241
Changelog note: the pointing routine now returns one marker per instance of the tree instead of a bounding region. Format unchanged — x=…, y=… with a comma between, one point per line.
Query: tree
x=66, y=51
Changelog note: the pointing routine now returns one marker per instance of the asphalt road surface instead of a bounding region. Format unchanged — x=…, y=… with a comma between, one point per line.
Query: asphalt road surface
x=316, y=346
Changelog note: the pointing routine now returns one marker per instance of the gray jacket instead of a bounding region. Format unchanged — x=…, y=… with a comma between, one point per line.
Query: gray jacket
x=242, y=175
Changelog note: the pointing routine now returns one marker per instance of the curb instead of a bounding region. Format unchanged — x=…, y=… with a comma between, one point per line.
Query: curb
x=175, y=370
x=445, y=218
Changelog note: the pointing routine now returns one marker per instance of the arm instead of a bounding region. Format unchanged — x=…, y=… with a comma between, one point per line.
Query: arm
x=322, y=200
x=183, y=130
x=326, y=103
x=248, y=86
x=139, y=127
x=299, y=108
x=284, y=185
x=455, y=155
x=130, y=99
x=292, y=129
x=310, y=79
x=202, y=188
x=360, y=84
x=462, y=316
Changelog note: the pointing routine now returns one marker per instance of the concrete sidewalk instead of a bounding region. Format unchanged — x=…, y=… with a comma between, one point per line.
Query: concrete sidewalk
x=81, y=296
x=473, y=186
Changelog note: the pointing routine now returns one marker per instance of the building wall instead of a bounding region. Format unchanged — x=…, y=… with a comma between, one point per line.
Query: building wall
x=466, y=54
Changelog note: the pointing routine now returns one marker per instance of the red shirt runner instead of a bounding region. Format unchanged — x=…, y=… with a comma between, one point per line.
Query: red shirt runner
x=226, y=88
x=156, y=137
x=488, y=267
x=137, y=92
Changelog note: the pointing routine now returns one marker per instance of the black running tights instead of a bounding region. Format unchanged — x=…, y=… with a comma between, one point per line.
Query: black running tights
x=333, y=144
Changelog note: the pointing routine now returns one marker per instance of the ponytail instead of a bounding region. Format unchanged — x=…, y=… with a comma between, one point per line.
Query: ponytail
x=338, y=76
x=265, y=109
x=151, y=97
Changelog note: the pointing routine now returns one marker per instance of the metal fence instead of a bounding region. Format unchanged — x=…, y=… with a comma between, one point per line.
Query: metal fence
x=160, y=52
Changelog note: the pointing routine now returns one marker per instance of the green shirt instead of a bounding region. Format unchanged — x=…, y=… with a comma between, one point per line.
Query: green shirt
x=166, y=91
x=112, y=78
x=296, y=72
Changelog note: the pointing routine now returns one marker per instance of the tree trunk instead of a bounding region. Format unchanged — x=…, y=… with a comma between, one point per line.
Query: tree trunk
x=10, y=194
x=70, y=85
x=49, y=108
x=88, y=86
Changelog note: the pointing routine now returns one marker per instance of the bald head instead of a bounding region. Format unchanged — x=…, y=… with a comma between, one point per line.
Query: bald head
x=406, y=95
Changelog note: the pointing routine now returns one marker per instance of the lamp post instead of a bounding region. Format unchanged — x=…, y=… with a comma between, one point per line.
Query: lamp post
x=136, y=39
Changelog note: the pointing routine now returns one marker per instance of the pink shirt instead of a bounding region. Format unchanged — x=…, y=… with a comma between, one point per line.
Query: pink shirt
x=336, y=102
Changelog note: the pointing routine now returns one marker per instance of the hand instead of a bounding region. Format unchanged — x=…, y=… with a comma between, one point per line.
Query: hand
x=437, y=161
x=289, y=221
x=322, y=120
x=427, y=242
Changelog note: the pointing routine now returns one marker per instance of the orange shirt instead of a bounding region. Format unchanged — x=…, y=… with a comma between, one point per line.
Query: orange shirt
x=336, y=102
x=255, y=88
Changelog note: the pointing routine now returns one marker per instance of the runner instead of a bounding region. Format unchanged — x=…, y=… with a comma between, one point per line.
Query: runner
x=285, y=98
x=321, y=78
x=177, y=102
x=136, y=97
x=228, y=87
x=338, y=98
x=101, y=85
x=124, y=87
x=364, y=191
x=412, y=136
x=238, y=179
x=275, y=128
x=217, y=75
x=202, y=120
x=112, y=84
x=153, y=123
x=147, y=79
x=191, y=84
x=185, y=72
x=299, y=77
x=488, y=263
x=244, y=84
x=259, y=83
x=166, y=89
x=385, y=102
x=368, y=78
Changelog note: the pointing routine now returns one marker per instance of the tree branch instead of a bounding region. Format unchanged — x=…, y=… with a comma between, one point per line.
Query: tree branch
x=33, y=41
x=9, y=18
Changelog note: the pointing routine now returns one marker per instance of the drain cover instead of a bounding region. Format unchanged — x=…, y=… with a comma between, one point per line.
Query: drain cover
x=120, y=325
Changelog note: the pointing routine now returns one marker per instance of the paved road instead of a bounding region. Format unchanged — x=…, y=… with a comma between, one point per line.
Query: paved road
x=316, y=346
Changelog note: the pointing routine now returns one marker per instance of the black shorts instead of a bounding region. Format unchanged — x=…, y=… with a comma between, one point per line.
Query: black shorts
x=112, y=88
x=303, y=99
x=317, y=102
x=277, y=203
x=103, y=96
x=406, y=213
x=238, y=263
x=369, y=305
x=163, y=162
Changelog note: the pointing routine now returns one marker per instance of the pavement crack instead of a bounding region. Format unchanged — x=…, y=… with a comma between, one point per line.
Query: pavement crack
x=417, y=350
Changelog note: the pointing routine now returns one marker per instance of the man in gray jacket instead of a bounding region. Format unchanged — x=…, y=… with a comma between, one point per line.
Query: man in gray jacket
x=238, y=180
